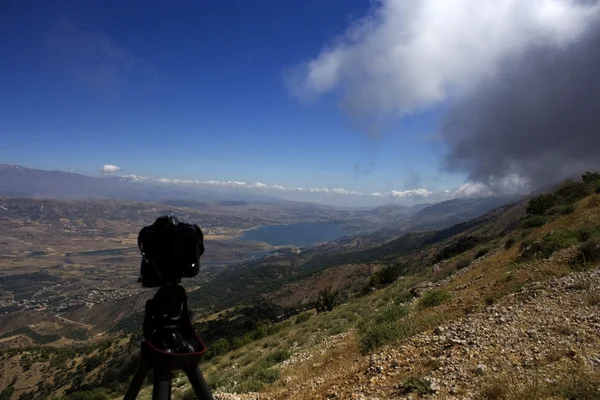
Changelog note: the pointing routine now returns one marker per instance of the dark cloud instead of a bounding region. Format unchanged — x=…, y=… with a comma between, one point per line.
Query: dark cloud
x=538, y=118
x=519, y=78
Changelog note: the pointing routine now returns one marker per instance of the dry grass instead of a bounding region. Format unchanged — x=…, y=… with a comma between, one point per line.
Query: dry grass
x=572, y=381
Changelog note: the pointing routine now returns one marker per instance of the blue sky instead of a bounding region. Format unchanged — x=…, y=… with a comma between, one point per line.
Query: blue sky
x=194, y=90
x=395, y=97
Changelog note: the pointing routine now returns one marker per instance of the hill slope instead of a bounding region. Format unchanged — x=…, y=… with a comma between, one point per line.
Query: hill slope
x=480, y=310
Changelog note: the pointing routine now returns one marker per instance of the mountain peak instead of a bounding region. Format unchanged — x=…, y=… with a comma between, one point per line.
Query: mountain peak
x=9, y=167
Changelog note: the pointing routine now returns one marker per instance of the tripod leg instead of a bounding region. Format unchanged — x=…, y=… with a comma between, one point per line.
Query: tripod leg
x=199, y=384
x=162, y=383
x=137, y=381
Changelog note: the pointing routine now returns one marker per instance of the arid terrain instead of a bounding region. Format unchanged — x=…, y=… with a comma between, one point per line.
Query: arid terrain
x=74, y=264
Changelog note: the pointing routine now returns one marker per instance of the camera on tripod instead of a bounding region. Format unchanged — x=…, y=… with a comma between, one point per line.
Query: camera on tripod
x=171, y=250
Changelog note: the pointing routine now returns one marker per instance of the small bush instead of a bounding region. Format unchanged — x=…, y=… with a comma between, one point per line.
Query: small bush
x=278, y=356
x=327, y=299
x=509, y=243
x=27, y=396
x=534, y=222
x=218, y=348
x=387, y=275
x=546, y=247
x=189, y=394
x=495, y=390
x=582, y=387
x=561, y=209
x=95, y=394
x=416, y=385
x=238, y=342
x=257, y=377
x=482, y=252
x=571, y=192
x=592, y=297
x=444, y=272
x=538, y=205
x=303, y=317
x=433, y=298
x=587, y=233
x=526, y=243
x=461, y=245
x=463, y=263
x=588, y=253
x=591, y=177
x=7, y=393
x=404, y=297
x=381, y=327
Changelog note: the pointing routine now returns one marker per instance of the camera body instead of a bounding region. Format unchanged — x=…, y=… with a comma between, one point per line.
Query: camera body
x=171, y=250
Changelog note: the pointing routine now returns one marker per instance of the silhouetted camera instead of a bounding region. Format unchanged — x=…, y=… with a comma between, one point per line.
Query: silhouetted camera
x=171, y=250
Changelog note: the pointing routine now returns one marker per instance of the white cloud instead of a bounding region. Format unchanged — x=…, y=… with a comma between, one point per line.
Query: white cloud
x=133, y=177
x=423, y=193
x=509, y=185
x=109, y=169
x=408, y=55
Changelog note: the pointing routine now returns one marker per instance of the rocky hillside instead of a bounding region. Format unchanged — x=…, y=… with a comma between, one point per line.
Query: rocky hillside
x=520, y=322
x=502, y=307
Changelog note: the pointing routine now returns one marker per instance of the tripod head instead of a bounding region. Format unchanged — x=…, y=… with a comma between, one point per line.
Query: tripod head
x=167, y=323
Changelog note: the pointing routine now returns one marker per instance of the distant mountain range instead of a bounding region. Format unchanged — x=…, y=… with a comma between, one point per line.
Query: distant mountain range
x=453, y=211
x=18, y=181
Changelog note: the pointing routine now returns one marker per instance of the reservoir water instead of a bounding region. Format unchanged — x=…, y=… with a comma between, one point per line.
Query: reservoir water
x=300, y=234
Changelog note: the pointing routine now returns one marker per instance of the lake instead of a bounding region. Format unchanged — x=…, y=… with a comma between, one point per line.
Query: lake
x=299, y=234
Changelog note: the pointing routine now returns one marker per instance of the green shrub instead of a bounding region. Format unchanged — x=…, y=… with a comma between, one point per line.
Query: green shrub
x=482, y=252
x=534, y=221
x=257, y=377
x=219, y=347
x=581, y=387
x=433, y=298
x=92, y=362
x=278, y=356
x=381, y=327
x=78, y=334
x=463, y=263
x=27, y=396
x=509, y=243
x=404, y=297
x=416, y=385
x=527, y=243
x=189, y=394
x=539, y=204
x=546, y=247
x=7, y=393
x=387, y=275
x=591, y=177
x=588, y=253
x=461, y=245
x=563, y=209
x=95, y=394
x=587, y=233
x=238, y=342
x=303, y=317
x=444, y=272
x=327, y=299
x=574, y=191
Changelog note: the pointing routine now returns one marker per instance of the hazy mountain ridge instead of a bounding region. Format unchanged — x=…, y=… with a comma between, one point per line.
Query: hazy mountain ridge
x=18, y=181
